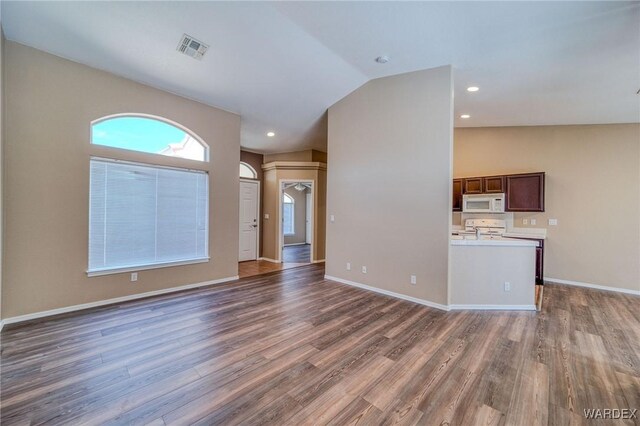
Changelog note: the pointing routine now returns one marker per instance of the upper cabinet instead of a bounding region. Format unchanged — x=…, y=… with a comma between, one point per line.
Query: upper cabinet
x=473, y=186
x=525, y=192
x=493, y=184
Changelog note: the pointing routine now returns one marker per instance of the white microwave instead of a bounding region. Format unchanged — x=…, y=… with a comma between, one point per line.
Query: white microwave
x=483, y=203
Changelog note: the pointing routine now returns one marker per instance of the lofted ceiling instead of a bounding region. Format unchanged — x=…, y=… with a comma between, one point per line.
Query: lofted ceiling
x=280, y=65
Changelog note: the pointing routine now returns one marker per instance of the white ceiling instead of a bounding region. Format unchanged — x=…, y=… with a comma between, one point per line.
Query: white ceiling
x=282, y=64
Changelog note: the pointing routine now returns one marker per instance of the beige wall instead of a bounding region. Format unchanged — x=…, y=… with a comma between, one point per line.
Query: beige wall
x=592, y=188
x=2, y=42
x=389, y=186
x=272, y=177
x=300, y=216
x=50, y=103
x=307, y=155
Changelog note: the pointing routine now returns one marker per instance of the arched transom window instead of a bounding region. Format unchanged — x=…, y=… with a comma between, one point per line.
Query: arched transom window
x=246, y=171
x=148, y=134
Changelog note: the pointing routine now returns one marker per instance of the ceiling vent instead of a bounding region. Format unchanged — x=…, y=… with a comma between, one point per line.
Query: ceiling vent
x=192, y=47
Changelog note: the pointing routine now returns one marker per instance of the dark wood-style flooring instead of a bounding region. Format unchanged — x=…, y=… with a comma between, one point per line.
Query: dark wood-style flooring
x=297, y=254
x=292, y=348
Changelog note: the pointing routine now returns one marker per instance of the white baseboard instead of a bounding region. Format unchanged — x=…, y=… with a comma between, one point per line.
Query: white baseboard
x=1, y=324
x=493, y=307
x=295, y=244
x=83, y=306
x=594, y=286
x=319, y=261
x=269, y=260
x=389, y=293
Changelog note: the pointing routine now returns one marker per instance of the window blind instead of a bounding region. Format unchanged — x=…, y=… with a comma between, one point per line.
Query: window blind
x=145, y=216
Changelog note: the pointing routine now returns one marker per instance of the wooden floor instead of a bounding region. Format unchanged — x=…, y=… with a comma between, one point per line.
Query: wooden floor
x=292, y=348
x=297, y=254
x=251, y=268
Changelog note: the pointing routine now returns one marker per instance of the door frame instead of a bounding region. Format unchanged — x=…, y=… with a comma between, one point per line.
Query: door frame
x=281, y=183
x=259, y=219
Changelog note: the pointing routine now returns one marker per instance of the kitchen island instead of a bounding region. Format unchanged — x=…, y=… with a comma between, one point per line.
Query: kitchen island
x=492, y=272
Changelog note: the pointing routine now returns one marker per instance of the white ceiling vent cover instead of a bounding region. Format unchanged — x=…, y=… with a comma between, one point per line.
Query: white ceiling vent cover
x=192, y=47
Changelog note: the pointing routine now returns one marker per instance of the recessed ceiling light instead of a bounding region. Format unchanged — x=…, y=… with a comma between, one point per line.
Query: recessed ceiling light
x=271, y=134
x=473, y=89
x=382, y=59
x=465, y=116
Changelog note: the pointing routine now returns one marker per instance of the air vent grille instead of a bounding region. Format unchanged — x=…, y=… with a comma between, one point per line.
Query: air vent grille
x=192, y=47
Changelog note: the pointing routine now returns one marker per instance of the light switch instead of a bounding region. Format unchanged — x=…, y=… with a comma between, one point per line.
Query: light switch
x=364, y=269
x=525, y=221
x=533, y=221
x=348, y=266
x=266, y=215
x=332, y=218
x=553, y=222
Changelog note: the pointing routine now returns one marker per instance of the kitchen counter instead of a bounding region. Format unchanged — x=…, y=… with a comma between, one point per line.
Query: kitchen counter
x=471, y=240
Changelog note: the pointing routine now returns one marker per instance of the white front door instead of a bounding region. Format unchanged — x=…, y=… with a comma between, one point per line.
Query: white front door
x=308, y=219
x=248, y=221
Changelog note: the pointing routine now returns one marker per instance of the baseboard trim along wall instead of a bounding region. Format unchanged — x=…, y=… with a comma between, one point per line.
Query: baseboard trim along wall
x=593, y=286
x=319, y=261
x=389, y=293
x=268, y=260
x=493, y=307
x=433, y=304
x=43, y=314
x=295, y=244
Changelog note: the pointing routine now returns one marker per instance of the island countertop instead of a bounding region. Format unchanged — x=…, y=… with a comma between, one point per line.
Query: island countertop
x=468, y=240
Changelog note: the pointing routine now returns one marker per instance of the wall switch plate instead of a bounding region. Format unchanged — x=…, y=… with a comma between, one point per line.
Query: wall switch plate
x=134, y=276
x=525, y=221
x=266, y=215
x=507, y=286
x=553, y=222
x=413, y=279
x=348, y=266
x=332, y=218
x=364, y=269
x=533, y=221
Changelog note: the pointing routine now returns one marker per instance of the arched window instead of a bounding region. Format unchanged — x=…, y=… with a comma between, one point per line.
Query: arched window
x=246, y=171
x=148, y=134
x=287, y=214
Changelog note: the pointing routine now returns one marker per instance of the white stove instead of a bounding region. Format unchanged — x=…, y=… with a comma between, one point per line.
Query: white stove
x=485, y=226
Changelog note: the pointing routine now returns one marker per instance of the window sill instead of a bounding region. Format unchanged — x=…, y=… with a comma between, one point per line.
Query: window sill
x=288, y=235
x=111, y=271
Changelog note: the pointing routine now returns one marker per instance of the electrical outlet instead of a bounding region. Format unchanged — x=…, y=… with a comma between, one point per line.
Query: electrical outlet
x=413, y=279
x=348, y=266
x=525, y=221
x=134, y=276
x=332, y=218
x=507, y=286
x=364, y=269
x=553, y=222
x=533, y=221
x=266, y=215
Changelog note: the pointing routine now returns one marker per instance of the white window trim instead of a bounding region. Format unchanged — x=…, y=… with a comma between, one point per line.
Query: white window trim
x=207, y=149
x=145, y=267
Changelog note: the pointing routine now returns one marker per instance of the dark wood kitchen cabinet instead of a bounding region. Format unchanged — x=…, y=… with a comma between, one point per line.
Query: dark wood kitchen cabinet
x=457, y=195
x=493, y=184
x=539, y=258
x=473, y=185
x=525, y=192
